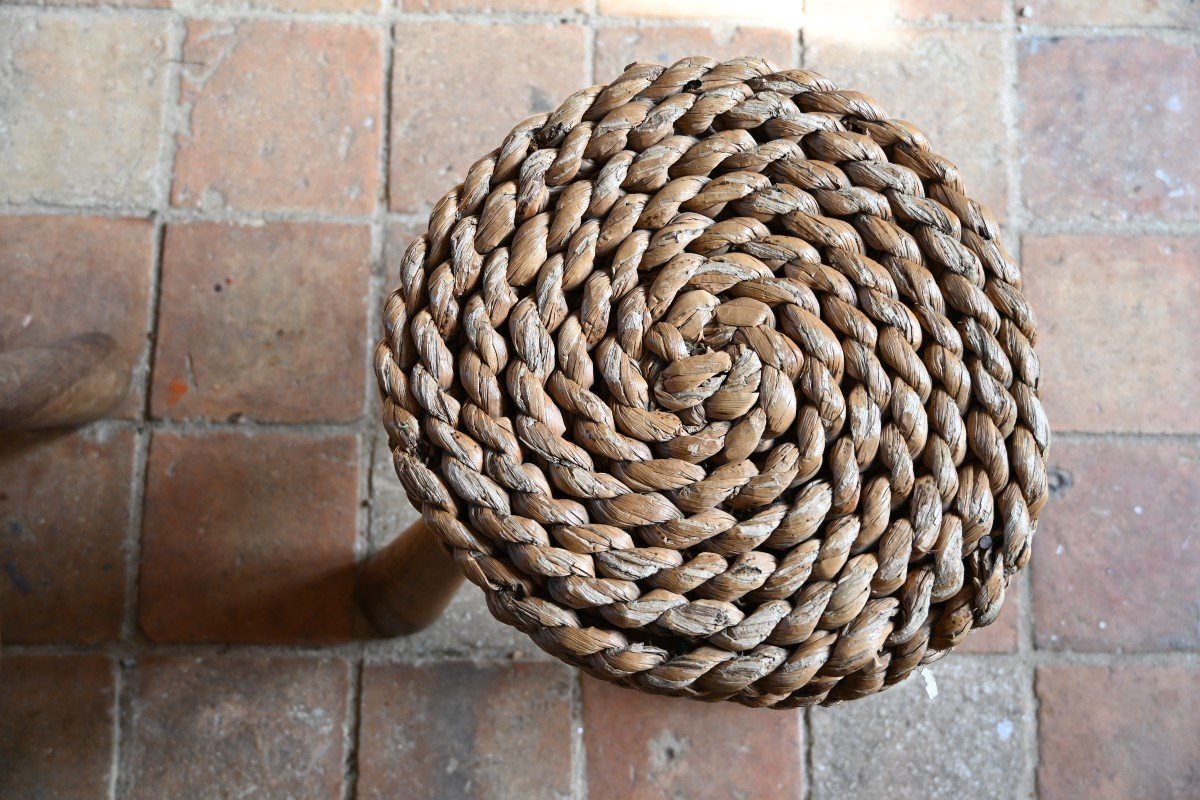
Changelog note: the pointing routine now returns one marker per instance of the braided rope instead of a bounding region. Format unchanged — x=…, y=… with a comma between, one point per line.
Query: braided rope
x=718, y=385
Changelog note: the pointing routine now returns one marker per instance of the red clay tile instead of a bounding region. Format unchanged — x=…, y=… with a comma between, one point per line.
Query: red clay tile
x=502, y=6
x=60, y=276
x=1106, y=126
x=644, y=746
x=201, y=7
x=665, y=44
x=1117, y=557
x=249, y=537
x=95, y=3
x=1143, y=13
x=453, y=105
x=262, y=322
x=1112, y=734
x=860, y=13
x=83, y=107
x=56, y=727
x=967, y=741
x=1116, y=314
x=455, y=730
x=64, y=521
x=772, y=11
x=237, y=726
x=947, y=83
x=282, y=116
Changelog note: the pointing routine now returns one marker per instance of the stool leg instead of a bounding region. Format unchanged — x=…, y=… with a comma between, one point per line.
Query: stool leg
x=69, y=382
x=407, y=585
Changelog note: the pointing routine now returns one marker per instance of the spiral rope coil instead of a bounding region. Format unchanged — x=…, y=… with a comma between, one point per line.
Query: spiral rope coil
x=719, y=386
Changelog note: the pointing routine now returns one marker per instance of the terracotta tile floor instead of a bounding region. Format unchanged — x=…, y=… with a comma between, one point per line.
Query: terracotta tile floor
x=227, y=186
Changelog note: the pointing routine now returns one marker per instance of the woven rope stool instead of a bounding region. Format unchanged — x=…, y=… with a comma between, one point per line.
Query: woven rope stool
x=718, y=385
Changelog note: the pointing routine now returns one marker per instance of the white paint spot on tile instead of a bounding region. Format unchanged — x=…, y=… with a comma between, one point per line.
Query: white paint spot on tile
x=1177, y=187
x=1174, y=104
x=930, y=683
x=1004, y=729
x=1103, y=625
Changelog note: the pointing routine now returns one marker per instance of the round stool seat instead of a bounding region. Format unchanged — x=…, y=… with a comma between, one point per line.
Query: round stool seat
x=719, y=385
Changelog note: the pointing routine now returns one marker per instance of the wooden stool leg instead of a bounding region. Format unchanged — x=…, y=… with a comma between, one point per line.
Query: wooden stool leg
x=407, y=585
x=69, y=382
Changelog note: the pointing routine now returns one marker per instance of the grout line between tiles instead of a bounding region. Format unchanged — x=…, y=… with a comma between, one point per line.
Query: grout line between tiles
x=142, y=435
x=127, y=679
x=798, y=48
x=580, y=789
x=1025, y=650
x=246, y=426
x=352, y=731
x=114, y=754
x=810, y=783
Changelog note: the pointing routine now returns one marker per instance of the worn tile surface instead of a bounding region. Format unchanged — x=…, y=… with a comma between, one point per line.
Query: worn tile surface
x=83, y=108
x=451, y=106
x=500, y=6
x=455, y=730
x=1166, y=13
x=249, y=538
x=1117, y=557
x=237, y=726
x=63, y=276
x=702, y=9
x=965, y=742
x=1105, y=124
x=262, y=322
x=301, y=6
x=859, y=13
x=57, y=727
x=1118, y=733
x=64, y=522
x=617, y=47
x=279, y=116
x=642, y=746
x=1116, y=314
